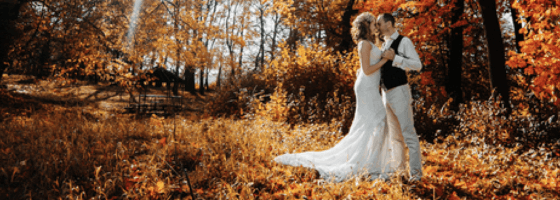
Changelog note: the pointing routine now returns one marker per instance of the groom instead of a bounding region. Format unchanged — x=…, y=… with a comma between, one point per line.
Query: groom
x=402, y=56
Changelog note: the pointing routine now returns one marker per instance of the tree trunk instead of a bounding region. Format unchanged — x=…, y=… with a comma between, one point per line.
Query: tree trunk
x=262, y=41
x=189, y=79
x=206, y=81
x=42, y=66
x=240, y=65
x=201, y=82
x=454, y=70
x=516, y=27
x=293, y=37
x=219, y=78
x=496, y=52
x=177, y=59
x=175, y=89
x=9, y=11
x=257, y=58
x=346, y=43
x=2, y=68
x=176, y=82
x=232, y=73
x=229, y=42
x=274, y=34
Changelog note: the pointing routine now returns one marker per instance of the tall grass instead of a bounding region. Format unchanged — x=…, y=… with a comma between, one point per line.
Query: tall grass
x=53, y=151
x=83, y=154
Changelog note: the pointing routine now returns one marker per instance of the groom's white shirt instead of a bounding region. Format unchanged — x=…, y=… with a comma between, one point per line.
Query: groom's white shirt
x=412, y=60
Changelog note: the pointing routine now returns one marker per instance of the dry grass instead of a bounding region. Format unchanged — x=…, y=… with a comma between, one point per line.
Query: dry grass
x=83, y=154
x=80, y=151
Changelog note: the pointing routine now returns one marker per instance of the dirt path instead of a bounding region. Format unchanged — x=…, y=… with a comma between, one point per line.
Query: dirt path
x=101, y=96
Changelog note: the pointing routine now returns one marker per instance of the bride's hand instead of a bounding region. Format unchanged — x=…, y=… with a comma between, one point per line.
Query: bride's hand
x=389, y=54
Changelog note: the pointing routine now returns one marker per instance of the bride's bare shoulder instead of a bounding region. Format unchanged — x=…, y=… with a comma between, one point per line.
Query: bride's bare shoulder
x=364, y=44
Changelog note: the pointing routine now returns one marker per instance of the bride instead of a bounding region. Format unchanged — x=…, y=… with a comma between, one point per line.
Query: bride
x=374, y=146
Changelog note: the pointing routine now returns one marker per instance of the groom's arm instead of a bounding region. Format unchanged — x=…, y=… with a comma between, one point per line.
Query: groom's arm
x=410, y=59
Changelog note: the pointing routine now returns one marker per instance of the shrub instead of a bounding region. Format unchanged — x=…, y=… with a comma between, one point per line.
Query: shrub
x=315, y=84
x=235, y=96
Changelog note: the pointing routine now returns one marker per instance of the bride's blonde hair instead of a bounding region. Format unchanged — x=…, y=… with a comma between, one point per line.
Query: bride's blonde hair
x=361, y=28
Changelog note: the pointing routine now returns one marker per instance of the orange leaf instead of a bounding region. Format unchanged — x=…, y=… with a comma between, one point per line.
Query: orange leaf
x=454, y=196
x=163, y=141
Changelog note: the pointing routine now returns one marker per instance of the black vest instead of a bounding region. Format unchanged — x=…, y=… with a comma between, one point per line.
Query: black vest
x=392, y=77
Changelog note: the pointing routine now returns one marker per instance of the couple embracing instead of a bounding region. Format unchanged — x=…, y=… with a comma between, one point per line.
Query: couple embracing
x=383, y=124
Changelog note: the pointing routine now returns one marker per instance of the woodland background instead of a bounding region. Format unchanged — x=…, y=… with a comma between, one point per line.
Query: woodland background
x=486, y=100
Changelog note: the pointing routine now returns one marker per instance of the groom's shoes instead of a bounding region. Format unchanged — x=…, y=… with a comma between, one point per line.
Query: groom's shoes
x=415, y=176
x=414, y=179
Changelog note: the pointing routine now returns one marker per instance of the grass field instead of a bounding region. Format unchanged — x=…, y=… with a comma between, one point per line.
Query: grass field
x=58, y=144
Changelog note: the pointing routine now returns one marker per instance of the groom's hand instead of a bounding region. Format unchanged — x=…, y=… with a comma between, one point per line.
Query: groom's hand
x=389, y=54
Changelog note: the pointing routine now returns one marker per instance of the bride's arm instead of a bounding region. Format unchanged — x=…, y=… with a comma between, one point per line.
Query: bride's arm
x=373, y=68
x=364, y=54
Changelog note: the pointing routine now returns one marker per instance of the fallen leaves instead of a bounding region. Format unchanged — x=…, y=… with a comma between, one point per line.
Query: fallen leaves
x=226, y=158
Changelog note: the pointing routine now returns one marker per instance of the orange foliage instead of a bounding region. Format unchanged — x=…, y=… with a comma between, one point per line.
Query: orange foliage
x=316, y=83
x=428, y=24
x=94, y=40
x=541, y=49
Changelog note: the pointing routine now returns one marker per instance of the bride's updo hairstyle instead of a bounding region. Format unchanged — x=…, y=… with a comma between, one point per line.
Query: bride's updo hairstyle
x=360, y=27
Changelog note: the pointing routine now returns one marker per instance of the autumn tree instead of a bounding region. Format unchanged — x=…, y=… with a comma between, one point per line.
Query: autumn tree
x=269, y=28
x=178, y=41
x=62, y=37
x=496, y=50
x=9, y=12
x=261, y=8
x=209, y=18
x=326, y=22
x=237, y=30
x=278, y=31
x=179, y=31
x=539, y=52
x=454, y=71
x=436, y=27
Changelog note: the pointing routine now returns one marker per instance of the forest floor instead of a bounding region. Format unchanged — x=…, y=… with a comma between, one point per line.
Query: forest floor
x=74, y=141
x=103, y=96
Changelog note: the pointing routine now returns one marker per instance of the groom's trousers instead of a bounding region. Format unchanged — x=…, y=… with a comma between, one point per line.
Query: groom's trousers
x=399, y=99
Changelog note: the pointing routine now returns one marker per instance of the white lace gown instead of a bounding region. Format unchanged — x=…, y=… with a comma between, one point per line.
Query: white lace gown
x=369, y=148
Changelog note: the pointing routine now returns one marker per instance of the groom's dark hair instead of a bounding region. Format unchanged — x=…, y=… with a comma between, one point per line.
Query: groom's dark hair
x=388, y=18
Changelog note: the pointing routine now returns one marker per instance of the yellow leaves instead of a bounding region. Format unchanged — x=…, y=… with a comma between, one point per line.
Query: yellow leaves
x=277, y=109
x=156, y=121
x=160, y=186
x=549, y=182
x=430, y=169
x=460, y=184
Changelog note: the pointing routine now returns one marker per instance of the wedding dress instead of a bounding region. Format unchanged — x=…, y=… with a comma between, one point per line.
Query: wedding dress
x=369, y=148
